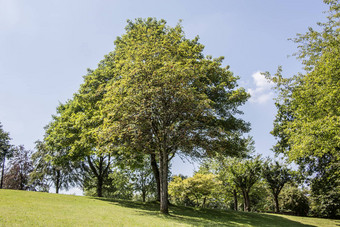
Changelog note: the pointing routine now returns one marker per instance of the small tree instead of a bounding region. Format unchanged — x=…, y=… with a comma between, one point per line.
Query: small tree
x=47, y=172
x=245, y=173
x=198, y=188
x=144, y=180
x=5, y=151
x=17, y=177
x=295, y=199
x=276, y=176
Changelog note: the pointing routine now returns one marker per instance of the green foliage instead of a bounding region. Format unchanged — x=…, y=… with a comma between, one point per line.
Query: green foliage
x=144, y=181
x=5, y=146
x=116, y=185
x=5, y=151
x=47, y=173
x=166, y=97
x=17, y=176
x=295, y=200
x=326, y=196
x=260, y=197
x=155, y=94
x=276, y=176
x=307, y=125
x=198, y=190
x=244, y=174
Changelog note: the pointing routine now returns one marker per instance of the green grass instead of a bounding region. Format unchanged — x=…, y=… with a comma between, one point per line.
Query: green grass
x=21, y=208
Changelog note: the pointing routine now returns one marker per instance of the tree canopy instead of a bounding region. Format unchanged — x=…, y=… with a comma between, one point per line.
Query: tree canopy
x=167, y=97
x=307, y=124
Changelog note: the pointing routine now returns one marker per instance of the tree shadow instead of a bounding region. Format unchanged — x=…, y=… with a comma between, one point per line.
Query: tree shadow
x=205, y=217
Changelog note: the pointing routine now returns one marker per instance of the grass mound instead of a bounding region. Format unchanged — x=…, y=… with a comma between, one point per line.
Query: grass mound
x=22, y=208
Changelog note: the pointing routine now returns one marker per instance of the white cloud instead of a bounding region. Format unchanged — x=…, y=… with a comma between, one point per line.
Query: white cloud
x=262, y=91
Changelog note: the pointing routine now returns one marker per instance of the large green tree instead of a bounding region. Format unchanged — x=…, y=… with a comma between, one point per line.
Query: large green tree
x=307, y=125
x=169, y=98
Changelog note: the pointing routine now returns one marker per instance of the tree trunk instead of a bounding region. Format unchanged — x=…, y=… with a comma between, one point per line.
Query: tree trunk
x=100, y=186
x=247, y=202
x=235, y=200
x=244, y=200
x=2, y=172
x=155, y=171
x=276, y=199
x=204, y=200
x=57, y=184
x=163, y=167
x=143, y=195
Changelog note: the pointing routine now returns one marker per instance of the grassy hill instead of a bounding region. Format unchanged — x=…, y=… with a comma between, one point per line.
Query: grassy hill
x=21, y=208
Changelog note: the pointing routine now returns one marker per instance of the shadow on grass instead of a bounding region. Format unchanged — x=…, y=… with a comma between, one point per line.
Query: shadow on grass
x=205, y=217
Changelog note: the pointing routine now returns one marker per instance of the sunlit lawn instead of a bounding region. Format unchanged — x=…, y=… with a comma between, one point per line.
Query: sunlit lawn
x=21, y=208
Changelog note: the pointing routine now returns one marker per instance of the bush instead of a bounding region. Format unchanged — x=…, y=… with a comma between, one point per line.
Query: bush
x=295, y=200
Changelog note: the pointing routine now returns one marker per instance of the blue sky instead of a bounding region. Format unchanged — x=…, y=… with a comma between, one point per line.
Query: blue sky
x=46, y=47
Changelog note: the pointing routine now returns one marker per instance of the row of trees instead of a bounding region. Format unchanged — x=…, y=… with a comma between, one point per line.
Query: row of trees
x=35, y=171
x=223, y=182
x=218, y=181
x=260, y=185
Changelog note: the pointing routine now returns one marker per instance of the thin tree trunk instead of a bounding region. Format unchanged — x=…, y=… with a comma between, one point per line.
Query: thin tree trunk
x=100, y=186
x=248, y=202
x=163, y=164
x=235, y=200
x=57, y=184
x=155, y=171
x=2, y=172
x=244, y=200
x=277, y=208
x=143, y=195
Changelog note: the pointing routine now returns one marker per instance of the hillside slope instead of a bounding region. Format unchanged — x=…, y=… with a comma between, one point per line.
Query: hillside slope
x=22, y=208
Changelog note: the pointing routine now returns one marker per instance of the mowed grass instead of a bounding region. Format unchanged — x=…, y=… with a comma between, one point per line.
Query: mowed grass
x=22, y=208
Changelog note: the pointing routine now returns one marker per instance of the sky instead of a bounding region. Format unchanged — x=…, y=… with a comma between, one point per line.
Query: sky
x=47, y=46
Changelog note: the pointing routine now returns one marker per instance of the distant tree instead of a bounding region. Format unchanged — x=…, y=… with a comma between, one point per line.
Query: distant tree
x=47, y=172
x=202, y=186
x=177, y=191
x=276, y=176
x=199, y=188
x=17, y=177
x=295, y=199
x=117, y=184
x=6, y=151
x=220, y=166
x=244, y=174
x=98, y=167
x=144, y=180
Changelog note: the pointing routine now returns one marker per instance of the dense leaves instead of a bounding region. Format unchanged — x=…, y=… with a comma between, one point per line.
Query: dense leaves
x=276, y=175
x=307, y=125
x=168, y=98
